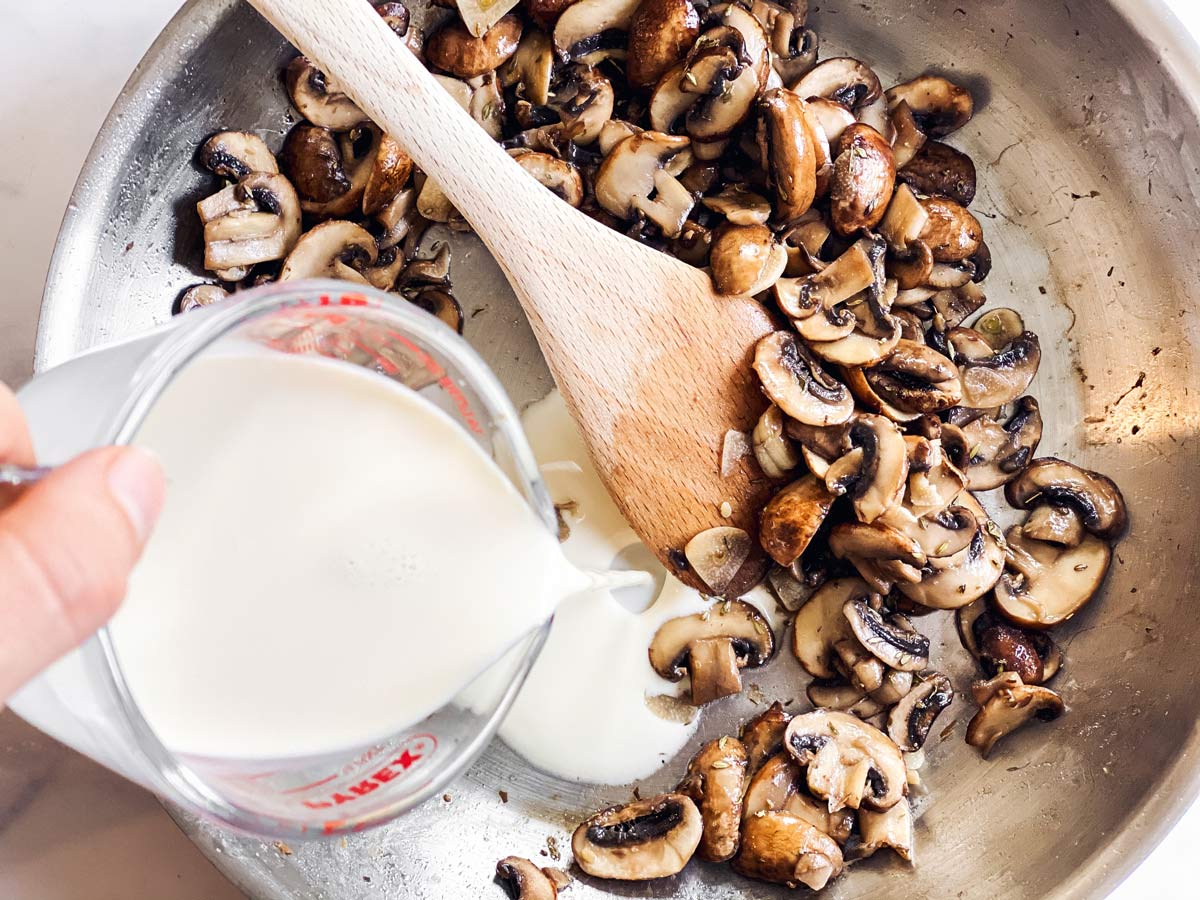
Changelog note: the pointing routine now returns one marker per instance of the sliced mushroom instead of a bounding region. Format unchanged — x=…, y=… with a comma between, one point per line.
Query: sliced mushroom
x=543, y=13
x=998, y=453
x=877, y=476
x=556, y=175
x=716, y=780
x=713, y=647
x=1001, y=647
x=652, y=838
x=335, y=249
x=896, y=685
x=860, y=666
x=1095, y=497
x=940, y=169
x=778, y=786
x=849, y=274
x=641, y=167
x=1049, y=583
x=911, y=720
x=1000, y=327
x=904, y=222
x=954, y=581
x=909, y=136
x=844, y=80
x=319, y=99
x=939, y=106
x=864, y=176
x=524, y=880
x=454, y=49
x=254, y=221
x=724, y=560
x=660, y=34
x=786, y=143
x=1054, y=523
x=531, y=67
x=850, y=763
x=1007, y=709
x=389, y=173
x=439, y=302
x=891, y=828
x=792, y=518
x=951, y=232
x=915, y=378
x=588, y=26
x=784, y=849
x=831, y=117
x=992, y=378
x=201, y=295
x=797, y=384
x=762, y=736
x=900, y=648
x=478, y=15
x=820, y=624
x=882, y=555
x=235, y=154
x=772, y=449
x=395, y=15
x=739, y=205
x=746, y=259
x=330, y=172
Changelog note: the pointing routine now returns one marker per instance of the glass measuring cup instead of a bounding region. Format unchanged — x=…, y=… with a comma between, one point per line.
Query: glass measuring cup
x=102, y=397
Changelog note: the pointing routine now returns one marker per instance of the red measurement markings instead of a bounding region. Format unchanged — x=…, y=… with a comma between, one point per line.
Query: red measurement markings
x=415, y=750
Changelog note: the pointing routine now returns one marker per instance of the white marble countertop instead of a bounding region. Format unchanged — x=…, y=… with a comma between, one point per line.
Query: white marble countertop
x=70, y=830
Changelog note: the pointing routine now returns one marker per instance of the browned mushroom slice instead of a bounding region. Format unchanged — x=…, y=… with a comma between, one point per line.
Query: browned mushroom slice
x=335, y=249
x=831, y=117
x=778, y=786
x=544, y=13
x=792, y=518
x=846, y=276
x=530, y=69
x=940, y=169
x=820, y=624
x=713, y=647
x=739, y=205
x=589, y=26
x=746, y=259
x=953, y=581
x=866, y=395
x=904, y=222
x=939, y=106
x=1000, y=327
x=774, y=452
x=254, y=221
x=525, y=881
x=1010, y=705
x=940, y=533
x=797, y=383
x=850, y=763
x=915, y=378
x=330, y=172
x=1001, y=647
x=1049, y=583
x=556, y=175
x=951, y=233
x=762, y=736
x=1095, y=497
x=864, y=175
x=724, y=560
x=878, y=550
x=652, y=838
x=1056, y=524
x=235, y=154
x=786, y=143
x=989, y=377
x=909, y=136
x=716, y=780
x=844, y=80
x=888, y=641
x=891, y=828
x=818, y=446
x=911, y=720
x=643, y=165
x=784, y=849
x=996, y=454
x=201, y=295
x=660, y=34
x=860, y=666
x=439, y=302
x=934, y=482
x=875, y=479
x=390, y=171
x=454, y=49
x=320, y=100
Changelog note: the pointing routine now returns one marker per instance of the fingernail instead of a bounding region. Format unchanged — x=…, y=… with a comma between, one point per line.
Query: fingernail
x=136, y=481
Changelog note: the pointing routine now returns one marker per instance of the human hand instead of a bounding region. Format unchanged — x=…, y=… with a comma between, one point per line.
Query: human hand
x=67, y=546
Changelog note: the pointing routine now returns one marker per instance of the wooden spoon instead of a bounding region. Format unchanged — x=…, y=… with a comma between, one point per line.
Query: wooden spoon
x=654, y=366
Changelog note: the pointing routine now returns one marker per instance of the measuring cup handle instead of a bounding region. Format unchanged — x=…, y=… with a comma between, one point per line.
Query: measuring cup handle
x=20, y=476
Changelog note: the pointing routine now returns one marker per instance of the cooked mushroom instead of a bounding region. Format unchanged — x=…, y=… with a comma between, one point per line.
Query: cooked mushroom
x=638, y=176
x=784, y=849
x=896, y=684
x=330, y=172
x=1010, y=705
x=992, y=378
x=439, y=302
x=864, y=176
x=772, y=449
x=530, y=68
x=524, y=880
x=998, y=453
x=739, y=205
x=849, y=274
x=543, y=13
x=1049, y=583
x=746, y=259
x=911, y=720
x=953, y=581
x=588, y=26
x=939, y=106
x=940, y=169
x=1000, y=327
x=713, y=647
x=390, y=170
x=454, y=49
x=876, y=476
x=235, y=154
x=660, y=34
x=779, y=786
x=1001, y=647
x=890, y=828
x=724, y=560
x=716, y=780
x=254, y=221
x=904, y=222
x=951, y=232
x=652, y=838
x=882, y=555
x=909, y=136
x=797, y=384
x=820, y=624
x=1095, y=497
x=786, y=143
x=557, y=176
x=915, y=378
x=319, y=99
x=395, y=15
x=792, y=518
x=850, y=763
x=762, y=736
x=335, y=249
x=841, y=79
x=898, y=647
x=859, y=665
x=1054, y=523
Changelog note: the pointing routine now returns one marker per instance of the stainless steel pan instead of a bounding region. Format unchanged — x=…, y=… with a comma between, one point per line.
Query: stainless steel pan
x=1088, y=143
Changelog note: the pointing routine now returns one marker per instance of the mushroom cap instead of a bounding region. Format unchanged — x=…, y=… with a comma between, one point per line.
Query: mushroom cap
x=954, y=581
x=746, y=259
x=652, y=838
x=524, y=880
x=878, y=485
x=911, y=719
x=951, y=232
x=1007, y=709
x=864, y=176
x=850, y=763
x=635, y=169
x=1095, y=497
x=390, y=171
x=235, y=154
x=762, y=736
x=318, y=99
x=199, y=295
x=786, y=141
x=797, y=384
x=584, y=26
x=792, y=518
x=915, y=378
x=716, y=780
x=257, y=220
x=939, y=106
x=996, y=454
x=938, y=168
x=327, y=172
x=724, y=559
x=454, y=49
x=660, y=34
x=734, y=621
x=842, y=79
x=333, y=249
x=784, y=849
x=992, y=378
x=554, y=174
x=1050, y=582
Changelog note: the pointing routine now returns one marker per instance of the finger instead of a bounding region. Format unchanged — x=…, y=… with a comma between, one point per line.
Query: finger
x=66, y=549
x=16, y=447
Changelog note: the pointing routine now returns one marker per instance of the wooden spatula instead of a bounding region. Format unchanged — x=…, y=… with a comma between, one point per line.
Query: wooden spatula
x=654, y=366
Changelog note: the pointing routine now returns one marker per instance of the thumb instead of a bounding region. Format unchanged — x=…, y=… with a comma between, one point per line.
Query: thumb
x=67, y=546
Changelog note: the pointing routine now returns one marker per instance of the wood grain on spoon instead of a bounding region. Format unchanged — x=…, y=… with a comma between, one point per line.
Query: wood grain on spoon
x=654, y=366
